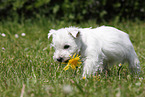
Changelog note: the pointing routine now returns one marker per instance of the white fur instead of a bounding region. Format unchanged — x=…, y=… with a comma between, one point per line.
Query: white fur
x=100, y=47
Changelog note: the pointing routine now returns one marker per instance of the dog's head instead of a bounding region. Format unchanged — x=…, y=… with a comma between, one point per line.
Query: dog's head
x=65, y=42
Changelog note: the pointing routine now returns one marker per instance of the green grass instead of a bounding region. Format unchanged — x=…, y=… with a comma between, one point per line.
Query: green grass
x=27, y=60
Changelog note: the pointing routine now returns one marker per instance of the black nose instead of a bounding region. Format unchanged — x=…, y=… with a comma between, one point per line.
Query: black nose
x=60, y=59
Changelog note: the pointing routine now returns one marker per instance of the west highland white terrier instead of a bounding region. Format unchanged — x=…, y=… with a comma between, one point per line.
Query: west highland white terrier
x=99, y=47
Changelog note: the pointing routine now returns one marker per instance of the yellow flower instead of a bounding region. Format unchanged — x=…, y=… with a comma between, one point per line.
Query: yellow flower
x=84, y=77
x=73, y=62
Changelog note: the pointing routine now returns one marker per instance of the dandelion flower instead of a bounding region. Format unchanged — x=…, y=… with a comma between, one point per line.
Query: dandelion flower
x=3, y=34
x=84, y=77
x=23, y=34
x=73, y=62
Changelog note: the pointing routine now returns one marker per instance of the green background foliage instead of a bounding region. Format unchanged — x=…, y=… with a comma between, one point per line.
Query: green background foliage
x=28, y=60
x=74, y=10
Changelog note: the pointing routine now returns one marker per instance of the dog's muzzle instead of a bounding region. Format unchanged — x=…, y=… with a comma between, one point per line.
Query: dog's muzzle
x=62, y=60
x=66, y=61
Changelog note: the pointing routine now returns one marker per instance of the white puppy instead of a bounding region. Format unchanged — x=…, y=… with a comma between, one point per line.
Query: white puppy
x=100, y=47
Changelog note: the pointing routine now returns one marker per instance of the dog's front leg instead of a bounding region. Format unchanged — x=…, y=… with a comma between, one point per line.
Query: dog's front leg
x=90, y=66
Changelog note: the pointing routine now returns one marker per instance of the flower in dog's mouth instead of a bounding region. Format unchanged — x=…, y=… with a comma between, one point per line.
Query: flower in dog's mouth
x=73, y=62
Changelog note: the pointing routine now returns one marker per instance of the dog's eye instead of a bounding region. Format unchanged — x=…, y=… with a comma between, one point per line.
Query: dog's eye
x=66, y=46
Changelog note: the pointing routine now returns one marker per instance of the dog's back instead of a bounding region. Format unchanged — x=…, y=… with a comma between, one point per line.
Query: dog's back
x=115, y=46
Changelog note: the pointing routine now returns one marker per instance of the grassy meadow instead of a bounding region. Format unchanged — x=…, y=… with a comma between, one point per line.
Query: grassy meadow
x=27, y=68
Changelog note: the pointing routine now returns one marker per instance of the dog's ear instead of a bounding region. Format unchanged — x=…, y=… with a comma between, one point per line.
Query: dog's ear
x=51, y=32
x=74, y=33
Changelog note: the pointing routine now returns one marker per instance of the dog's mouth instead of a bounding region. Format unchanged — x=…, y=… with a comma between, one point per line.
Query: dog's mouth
x=66, y=61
